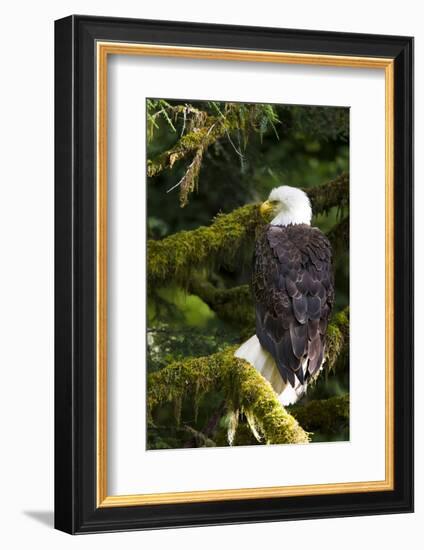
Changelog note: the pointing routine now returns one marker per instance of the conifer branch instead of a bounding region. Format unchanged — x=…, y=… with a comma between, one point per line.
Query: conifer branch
x=211, y=130
x=177, y=256
x=245, y=390
x=324, y=415
x=330, y=194
x=204, y=129
x=337, y=337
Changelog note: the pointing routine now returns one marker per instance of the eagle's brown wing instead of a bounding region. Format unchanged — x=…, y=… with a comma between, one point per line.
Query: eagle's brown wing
x=293, y=286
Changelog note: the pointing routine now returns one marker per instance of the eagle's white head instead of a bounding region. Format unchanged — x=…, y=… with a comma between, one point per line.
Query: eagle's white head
x=287, y=205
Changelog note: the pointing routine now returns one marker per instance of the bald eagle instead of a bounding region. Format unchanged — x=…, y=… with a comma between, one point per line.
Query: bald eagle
x=293, y=287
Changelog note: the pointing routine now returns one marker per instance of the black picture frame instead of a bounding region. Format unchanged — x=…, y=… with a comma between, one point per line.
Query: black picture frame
x=76, y=510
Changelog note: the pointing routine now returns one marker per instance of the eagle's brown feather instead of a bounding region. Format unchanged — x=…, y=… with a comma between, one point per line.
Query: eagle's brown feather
x=293, y=285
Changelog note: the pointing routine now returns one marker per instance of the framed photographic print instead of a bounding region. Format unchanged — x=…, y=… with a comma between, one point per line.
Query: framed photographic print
x=234, y=272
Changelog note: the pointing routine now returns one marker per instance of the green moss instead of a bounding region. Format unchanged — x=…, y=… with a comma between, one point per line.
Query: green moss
x=330, y=194
x=248, y=396
x=211, y=130
x=337, y=337
x=202, y=130
x=174, y=258
x=327, y=415
x=246, y=393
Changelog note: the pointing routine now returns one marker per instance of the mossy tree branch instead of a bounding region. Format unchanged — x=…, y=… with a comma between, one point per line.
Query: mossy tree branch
x=325, y=415
x=337, y=337
x=184, y=259
x=175, y=257
x=212, y=129
x=203, y=129
x=328, y=195
x=245, y=390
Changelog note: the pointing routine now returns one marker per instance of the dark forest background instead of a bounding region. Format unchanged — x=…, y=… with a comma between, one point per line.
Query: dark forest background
x=211, y=158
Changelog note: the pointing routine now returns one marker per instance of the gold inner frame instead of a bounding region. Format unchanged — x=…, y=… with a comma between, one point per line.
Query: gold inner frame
x=104, y=49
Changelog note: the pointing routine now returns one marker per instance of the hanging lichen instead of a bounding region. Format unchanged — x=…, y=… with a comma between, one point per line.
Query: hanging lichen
x=179, y=258
x=245, y=390
x=202, y=129
x=233, y=421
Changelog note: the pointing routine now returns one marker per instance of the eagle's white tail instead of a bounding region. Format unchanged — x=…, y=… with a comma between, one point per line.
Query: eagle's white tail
x=252, y=352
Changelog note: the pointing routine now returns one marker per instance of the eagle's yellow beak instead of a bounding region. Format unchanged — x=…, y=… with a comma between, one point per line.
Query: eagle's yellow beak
x=265, y=208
